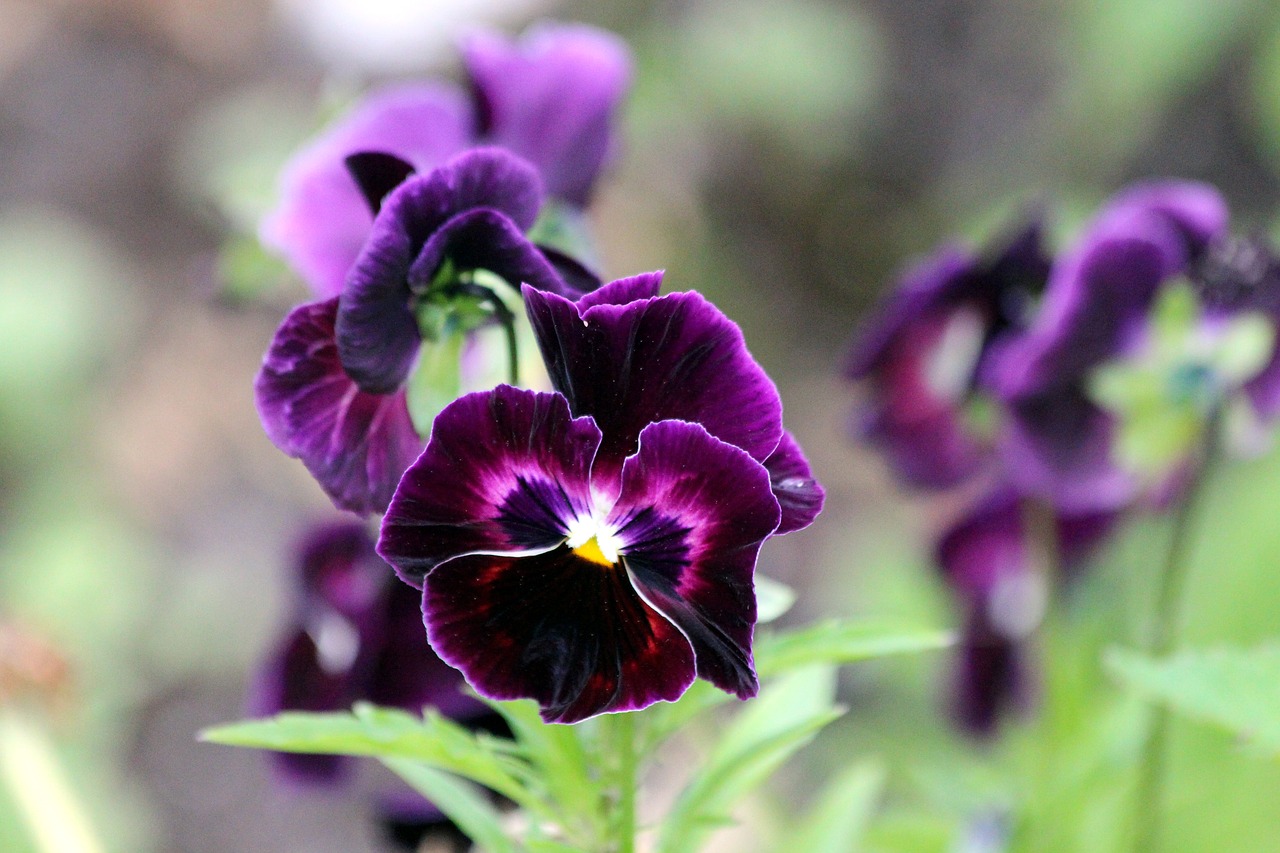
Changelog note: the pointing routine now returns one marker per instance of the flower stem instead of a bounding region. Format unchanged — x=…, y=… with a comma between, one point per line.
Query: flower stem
x=622, y=821
x=30, y=769
x=1162, y=639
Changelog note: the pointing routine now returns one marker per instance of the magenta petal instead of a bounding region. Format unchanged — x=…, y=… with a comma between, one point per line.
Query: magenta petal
x=355, y=444
x=322, y=220
x=674, y=357
x=556, y=628
x=551, y=98
x=794, y=487
x=1196, y=210
x=506, y=471
x=690, y=520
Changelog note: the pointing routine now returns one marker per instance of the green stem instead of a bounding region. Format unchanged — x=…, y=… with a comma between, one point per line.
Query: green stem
x=1162, y=639
x=622, y=822
x=30, y=769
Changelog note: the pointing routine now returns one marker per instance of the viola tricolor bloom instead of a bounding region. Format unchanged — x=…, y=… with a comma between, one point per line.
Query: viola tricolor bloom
x=355, y=634
x=551, y=98
x=923, y=355
x=988, y=558
x=594, y=548
x=331, y=391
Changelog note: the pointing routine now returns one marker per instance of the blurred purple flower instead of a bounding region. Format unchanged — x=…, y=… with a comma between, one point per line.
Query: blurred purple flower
x=355, y=633
x=924, y=353
x=594, y=548
x=988, y=558
x=550, y=98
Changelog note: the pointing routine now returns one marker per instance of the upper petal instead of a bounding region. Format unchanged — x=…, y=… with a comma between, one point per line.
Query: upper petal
x=690, y=520
x=355, y=444
x=487, y=239
x=551, y=98
x=672, y=357
x=322, y=220
x=505, y=471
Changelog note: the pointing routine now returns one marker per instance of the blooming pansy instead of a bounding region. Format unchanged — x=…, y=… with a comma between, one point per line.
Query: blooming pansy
x=355, y=633
x=594, y=548
x=550, y=98
x=989, y=559
x=924, y=352
x=331, y=391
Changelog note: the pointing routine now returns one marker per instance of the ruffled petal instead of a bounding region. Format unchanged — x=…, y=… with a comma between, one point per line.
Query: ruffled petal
x=506, y=472
x=355, y=444
x=322, y=220
x=690, y=520
x=797, y=492
x=552, y=98
x=486, y=239
x=567, y=632
x=673, y=357
x=624, y=290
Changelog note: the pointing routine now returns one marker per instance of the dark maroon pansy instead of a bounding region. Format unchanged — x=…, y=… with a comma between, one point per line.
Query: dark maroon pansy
x=922, y=355
x=355, y=634
x=539, y=583
x=987, y=559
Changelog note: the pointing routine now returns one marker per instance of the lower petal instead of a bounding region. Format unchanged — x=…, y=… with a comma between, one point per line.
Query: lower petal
x=569, y=633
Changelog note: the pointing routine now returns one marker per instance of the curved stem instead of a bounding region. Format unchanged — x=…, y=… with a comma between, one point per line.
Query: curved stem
x=622, y=821
x=1162, y=639
x=505, y=318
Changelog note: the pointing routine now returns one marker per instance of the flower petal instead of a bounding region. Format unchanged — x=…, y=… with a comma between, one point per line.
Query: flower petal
x=690, y=520
x=486, y=239
x=797, y=492
x=624, y=290
x=505, y=472
x=551, y=98
x=992, y=676
x=557, y=628
x=322, y=220
x=355, y=444
x=672, y=357
x=377, y=173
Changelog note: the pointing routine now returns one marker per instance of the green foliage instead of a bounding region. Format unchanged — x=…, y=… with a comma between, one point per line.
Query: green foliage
x=838, y=821
x=1236, y=689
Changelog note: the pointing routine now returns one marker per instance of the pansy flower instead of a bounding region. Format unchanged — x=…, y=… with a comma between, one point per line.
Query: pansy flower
x=594, y=548
x=331, y=391
x=551, y=98
x=922, y=356
x=988, y=558
x=354, y=634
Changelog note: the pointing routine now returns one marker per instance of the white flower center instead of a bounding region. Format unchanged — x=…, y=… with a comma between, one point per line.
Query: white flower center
x=590, y=539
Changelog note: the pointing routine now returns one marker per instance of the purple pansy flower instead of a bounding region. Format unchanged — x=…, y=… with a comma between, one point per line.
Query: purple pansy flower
x=987, y=558
x=551, y=98
x=594, y=548
x=331, y=389
x=922, y=355
x=355, y=634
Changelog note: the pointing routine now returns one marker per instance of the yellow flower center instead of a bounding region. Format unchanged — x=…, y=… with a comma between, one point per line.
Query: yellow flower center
x=591, y=551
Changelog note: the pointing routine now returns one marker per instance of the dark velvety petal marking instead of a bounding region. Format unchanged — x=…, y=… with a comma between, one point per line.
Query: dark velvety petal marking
x=355, y=444
x=551, y=98
x=1097, y=296
x=557, y=628
x=377, y=174
x=486, y=239
x=1059, y=446
x=674, y=357
x=322, y=220
x=690, y=520
x=794, y=487
x=506, y=471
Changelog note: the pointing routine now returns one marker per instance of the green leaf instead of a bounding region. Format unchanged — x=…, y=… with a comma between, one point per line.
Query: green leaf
x=765, y=734
x=773, y=599
x=842, y=641
x=388, y=733
x=462, y=802
x=1236, y=689
x=837, y=822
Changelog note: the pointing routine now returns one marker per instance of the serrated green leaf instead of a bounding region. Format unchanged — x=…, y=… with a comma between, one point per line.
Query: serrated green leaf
x=780, y=721
x=842, y=641
x=388, y=733
x=837, y=822
x=1236, y=689
x=461, y=801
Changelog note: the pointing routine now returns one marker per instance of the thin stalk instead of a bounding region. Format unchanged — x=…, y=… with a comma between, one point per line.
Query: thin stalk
x=1162, y=639
x=30, y=769
x=622, y=821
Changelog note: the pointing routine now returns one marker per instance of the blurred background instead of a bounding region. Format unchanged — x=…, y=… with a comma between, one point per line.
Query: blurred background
x=785, y=157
